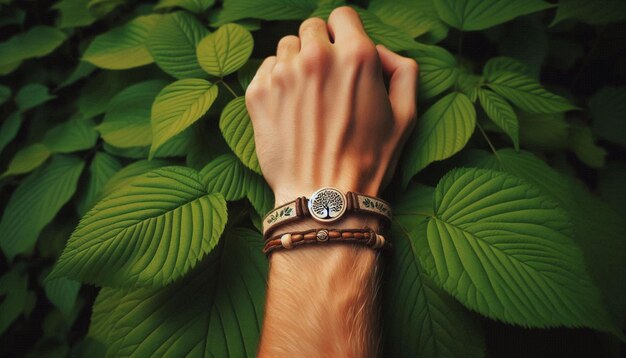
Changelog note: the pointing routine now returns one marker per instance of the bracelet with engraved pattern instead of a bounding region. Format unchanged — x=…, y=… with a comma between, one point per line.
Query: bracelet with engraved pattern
x=326, y=205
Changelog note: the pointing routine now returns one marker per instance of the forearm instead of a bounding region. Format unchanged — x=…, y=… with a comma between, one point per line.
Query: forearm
x=322, y=299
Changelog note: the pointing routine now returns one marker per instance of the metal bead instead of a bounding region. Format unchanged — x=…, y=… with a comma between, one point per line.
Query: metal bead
x=286, y=241
x=322, y=235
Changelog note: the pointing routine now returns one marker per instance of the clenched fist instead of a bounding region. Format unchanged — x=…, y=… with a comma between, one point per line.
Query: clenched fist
x=321, y=113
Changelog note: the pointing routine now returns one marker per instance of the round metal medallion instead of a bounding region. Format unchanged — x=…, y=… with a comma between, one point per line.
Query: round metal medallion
x=327, y=204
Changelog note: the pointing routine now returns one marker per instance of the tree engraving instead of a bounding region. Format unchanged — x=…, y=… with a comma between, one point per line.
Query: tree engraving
x=327, y=204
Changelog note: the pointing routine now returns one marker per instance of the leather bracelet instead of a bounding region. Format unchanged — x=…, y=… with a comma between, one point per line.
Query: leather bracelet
x=367, y=237
x=326, y=205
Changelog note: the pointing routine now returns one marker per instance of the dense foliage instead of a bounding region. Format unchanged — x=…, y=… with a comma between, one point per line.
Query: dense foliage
x=129, y=172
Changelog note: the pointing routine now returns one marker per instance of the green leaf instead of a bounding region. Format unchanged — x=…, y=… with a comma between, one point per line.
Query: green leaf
x=471, y=15
x=71, y=136
x=196, y=6
x=526, y=40
x=96, y=94
x=38, y=41
x=41, y=195
x=438, y=69
x=103, y=166
x=123, y=47
x=173, y=43
x=9, y=129
x=413, y=17
x=382, y=33
x=226, y=50
x=162, y=225
x=13, y=290
x=610, y=185
x=441, y=132
x=237, y=130
x=5, y=94
x=527, y=94
x=503, y=248
x=104, y=6
x=76, y=13
x=28, y=159
x=424, y=320
x=127, y=120
x=130, y=172
x=591, y=12
x=225, y=175
x=607, y=108
x=597, y=229
x=469, y=84
x=496, y=65
x=247, y=72
x=82, y=70
x=12, y=16
x=501, y=113
x=545, y=132
x=266, y=10
x=62, y=293
x=31, y=96
x=259, y=194
x=582, y=142
x=218, y=308
x=178, y=106
x=177, y=146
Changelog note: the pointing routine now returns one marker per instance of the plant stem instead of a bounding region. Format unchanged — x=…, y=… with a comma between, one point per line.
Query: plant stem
x=230, y=89
x=493, y=149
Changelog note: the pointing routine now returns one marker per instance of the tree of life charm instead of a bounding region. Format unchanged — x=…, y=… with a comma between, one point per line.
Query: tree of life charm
x=327, y=204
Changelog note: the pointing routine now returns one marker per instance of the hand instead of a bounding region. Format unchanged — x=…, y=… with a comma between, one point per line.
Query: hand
x=320, y=111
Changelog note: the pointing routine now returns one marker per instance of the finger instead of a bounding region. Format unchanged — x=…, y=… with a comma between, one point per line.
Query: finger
x=313, y=30
x=344, y=23
x=287, y=48
x=402, y=73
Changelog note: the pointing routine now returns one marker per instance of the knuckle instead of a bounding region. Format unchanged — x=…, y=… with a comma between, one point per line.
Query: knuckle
x=254, y=93
x=288, y=42
x=282, y=73
x=362, y=51
x=343, y=11
x=411, y=65
x=315, y=57
x=368, y=160
x=312, y=24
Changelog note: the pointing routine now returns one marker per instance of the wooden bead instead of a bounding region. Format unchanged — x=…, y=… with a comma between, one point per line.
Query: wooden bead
x=286, y=241
x=380, y=241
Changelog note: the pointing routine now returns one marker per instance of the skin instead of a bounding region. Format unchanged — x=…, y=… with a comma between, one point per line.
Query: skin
x=322, y=117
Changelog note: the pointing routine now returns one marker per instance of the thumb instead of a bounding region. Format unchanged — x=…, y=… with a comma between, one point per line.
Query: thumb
x=402, y=72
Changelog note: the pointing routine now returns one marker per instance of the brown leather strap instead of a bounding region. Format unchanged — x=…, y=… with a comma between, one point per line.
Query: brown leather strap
x=366, y=237
x=297, y=209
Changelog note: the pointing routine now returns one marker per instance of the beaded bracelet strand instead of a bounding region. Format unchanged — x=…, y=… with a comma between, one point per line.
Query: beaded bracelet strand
x=367, y=237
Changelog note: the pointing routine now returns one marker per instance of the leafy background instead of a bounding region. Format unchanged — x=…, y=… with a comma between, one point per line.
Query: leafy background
x=132, y=195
